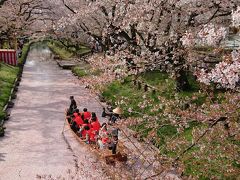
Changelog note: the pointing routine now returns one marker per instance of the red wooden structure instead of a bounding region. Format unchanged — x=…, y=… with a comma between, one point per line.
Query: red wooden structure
x=8, y=56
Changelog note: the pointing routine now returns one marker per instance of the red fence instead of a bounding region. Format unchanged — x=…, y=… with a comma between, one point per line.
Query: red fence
x=8, y=56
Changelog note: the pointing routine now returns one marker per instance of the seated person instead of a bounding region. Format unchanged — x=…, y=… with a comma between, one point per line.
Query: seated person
x=95, y=124
x=86, y=114
x=74, y=127
x=114, y=115
x=73, y=116
x=85, y=123
x=91, y=136
x=106, y=113
x=93, y=116
x=104, y=137
x=76, y=113
x=88, y=135
x=77, y=122
x=113, y=118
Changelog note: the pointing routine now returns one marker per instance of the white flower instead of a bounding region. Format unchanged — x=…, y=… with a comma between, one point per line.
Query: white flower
x=236, y=17
x=130, y=110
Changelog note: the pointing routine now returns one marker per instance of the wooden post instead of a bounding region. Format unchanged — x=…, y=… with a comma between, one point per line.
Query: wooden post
x=145, y=88
x=153, y=91
x=139, y=85
x=134, y=82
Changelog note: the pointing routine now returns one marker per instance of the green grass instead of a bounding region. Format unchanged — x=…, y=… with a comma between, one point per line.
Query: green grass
x=142, y=129
x=79, y=71
x=6, y=45
x=59, y=50
x=65, y=53
x=85, y=70
x=8, y=75
x=215, y=160
x=188, y=131
x=116, y=90
x=25, y=51
x=166, y=86
x=166, y=132
x=131, y=97
x=196, y=166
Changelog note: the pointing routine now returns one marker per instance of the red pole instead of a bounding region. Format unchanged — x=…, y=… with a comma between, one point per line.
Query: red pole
x=0, y=56
x=5, y=57
x=10, y=58
x=15, y=58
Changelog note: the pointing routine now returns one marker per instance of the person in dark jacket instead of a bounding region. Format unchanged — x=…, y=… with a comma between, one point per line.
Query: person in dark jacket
x=72, y=106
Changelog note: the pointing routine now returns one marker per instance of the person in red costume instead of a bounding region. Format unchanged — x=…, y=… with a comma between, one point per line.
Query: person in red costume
x=86, y=114
x=95, y=124
x=82, y=128
x=104, y=136
x=78, y=120
x=88, y=134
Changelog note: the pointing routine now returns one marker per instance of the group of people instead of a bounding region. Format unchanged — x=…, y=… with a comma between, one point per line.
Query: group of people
x=87, y=126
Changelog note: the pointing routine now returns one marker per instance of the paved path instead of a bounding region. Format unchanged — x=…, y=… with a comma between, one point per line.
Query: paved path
x=34, y=147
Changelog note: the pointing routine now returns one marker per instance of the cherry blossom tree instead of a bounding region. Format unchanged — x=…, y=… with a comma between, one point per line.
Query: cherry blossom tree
x=236, y=17
x=18, y=18
x=225, y=74
x=159, y=33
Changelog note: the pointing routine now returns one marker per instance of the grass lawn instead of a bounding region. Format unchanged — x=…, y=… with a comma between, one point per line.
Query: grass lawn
x=25, y=50
x=202, y=161
x=63, y=52
x=8, y=75
x=118, y=92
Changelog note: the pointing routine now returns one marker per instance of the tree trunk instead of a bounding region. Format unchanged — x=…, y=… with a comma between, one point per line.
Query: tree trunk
x=182, y=81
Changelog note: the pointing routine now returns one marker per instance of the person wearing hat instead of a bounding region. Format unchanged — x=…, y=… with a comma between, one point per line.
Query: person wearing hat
x=115, y=115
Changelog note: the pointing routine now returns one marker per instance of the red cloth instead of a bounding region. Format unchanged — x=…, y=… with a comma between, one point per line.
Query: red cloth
x=85, y=125
x=78, y=120
x=84, y=133
x=105, y=138
x=74, y=116
x=95, y=126
x=87, y=115
x=91, y=134
x=93, y=121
